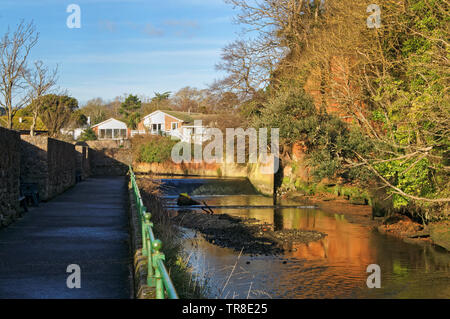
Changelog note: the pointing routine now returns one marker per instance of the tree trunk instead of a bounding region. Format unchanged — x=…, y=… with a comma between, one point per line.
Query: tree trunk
x=10, y=120
x=33, y=125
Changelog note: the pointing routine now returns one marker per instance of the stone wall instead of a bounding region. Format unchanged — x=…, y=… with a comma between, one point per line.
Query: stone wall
x=259, y=174
x=9, y=176
x=33, y=165
x=262, y=175
x=62, y=165
x=83, y=161
x=200, y=169
x=109, y=158
x=48, y=162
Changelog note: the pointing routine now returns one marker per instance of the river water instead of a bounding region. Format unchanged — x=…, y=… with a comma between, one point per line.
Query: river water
x=334, y=267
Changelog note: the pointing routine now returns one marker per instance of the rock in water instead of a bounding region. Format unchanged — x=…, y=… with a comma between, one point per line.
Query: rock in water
x=440, y=234
x=185, y=200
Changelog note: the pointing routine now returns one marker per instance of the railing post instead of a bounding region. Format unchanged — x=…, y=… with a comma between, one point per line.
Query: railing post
x=145, y=223
x=149, y=252
x=157, y=275
x=157, y=255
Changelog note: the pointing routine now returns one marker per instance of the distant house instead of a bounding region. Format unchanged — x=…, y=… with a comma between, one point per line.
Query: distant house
x=23, y=124
x=76, y=132
x=111, y=129
x=181, y=125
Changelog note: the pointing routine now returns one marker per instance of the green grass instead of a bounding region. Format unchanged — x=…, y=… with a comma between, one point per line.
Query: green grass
x=354, y=194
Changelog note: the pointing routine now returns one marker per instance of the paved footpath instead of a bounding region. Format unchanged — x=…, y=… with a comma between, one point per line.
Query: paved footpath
x=86, y=226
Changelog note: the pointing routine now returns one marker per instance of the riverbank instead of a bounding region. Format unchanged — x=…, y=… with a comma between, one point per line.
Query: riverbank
x=248, y=235
x=360, y=214
x=398, y=226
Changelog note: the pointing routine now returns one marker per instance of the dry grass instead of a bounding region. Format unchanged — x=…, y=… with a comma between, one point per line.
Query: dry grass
x=188, y=285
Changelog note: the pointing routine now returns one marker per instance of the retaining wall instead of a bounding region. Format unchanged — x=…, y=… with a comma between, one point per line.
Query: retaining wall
x=48, y=162
x=109, y=158
x=258, y=174
x=9, y=176
x=83, y=161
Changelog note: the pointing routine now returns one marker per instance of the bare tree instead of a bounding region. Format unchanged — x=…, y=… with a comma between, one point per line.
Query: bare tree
x=41, y=80
x=14, y=51
x=278, y=29
x=249, y=65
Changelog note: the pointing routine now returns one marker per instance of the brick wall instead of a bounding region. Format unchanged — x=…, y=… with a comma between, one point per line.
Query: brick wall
x=9, y=176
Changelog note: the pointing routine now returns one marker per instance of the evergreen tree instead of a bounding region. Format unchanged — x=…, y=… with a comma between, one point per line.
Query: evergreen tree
x=130, y=110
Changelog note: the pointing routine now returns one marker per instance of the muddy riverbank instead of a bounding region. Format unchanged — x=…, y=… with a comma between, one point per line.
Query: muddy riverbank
x=248, y=235
x=398, y=226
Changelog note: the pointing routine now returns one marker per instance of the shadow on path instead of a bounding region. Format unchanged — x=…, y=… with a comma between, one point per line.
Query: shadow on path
x=87, y=226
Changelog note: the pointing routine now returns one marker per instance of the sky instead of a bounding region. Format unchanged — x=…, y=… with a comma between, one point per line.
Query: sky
x=127, y=46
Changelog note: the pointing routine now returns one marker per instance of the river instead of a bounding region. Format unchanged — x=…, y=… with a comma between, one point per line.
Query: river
x=334, y=267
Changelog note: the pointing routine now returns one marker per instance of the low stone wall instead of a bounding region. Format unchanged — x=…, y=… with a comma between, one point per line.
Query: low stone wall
x=48, y=162
x=200, y=169
x=109, y=158
x=258, y=174
x=9, y=176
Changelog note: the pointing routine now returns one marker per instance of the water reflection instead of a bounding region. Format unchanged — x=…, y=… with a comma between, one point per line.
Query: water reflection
x=334, y=267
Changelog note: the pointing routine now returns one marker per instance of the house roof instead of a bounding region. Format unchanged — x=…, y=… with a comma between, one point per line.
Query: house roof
x=186, y=117
x=107, y=121
x=27, y=121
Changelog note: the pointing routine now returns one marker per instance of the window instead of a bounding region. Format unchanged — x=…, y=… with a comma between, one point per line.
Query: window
x=157, y=128
x=123, y=133
x=174, y=126
x=108, y=133
x=116, y=133
x=102, y=134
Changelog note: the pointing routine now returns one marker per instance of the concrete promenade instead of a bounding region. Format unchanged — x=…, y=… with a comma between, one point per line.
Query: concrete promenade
x=86, y=226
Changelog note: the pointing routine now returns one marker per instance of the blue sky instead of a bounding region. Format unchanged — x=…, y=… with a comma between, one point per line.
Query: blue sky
x=127, y=46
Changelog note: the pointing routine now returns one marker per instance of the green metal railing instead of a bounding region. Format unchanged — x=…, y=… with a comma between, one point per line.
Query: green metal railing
x=157, y=275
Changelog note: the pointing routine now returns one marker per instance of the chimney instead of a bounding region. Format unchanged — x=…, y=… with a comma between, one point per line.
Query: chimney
x=20, y=120
x=89, y=121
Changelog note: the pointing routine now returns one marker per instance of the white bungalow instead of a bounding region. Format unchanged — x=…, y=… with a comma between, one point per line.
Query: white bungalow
x=111, y=129
x=186, y=126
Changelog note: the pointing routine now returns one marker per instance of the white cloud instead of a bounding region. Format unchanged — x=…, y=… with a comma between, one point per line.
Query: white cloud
x=152, y=31
x=137, y=57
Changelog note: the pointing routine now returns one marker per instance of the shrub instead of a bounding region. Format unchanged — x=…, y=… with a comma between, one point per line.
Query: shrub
x=87, y=135
x=152, y=149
